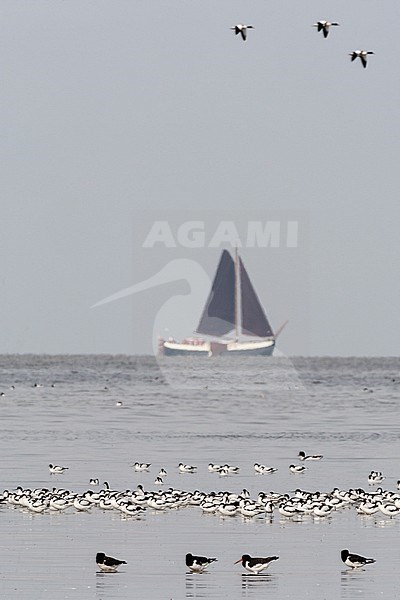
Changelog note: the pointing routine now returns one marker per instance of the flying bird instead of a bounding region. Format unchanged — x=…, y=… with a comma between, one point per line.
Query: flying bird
x=197, y=564
x=242, y=29
x=324, y=26
x=107, y=563
x=355, y=560
x=362, y=55
x=256, y=565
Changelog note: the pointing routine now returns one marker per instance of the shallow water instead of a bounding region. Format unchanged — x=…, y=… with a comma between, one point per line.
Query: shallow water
x=226, y=411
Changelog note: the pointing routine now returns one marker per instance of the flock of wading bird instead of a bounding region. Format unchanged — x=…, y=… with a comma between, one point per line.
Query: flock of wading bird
x=323, y=26
x=135, y=503
x=253, y=564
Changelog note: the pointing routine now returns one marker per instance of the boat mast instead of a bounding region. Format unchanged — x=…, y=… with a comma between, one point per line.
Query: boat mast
x=237, y=294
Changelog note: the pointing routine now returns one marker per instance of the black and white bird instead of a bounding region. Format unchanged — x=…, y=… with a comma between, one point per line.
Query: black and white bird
x=141, y=466
x=82, y=504
x=375, y=477
x=256, y=565
x=214, y=468
x=231, y=468
x=262, y=469
x=56, y=469
x=324, y=26
x=94, y=481
x=197, y=564
x=389, y=509
x=242, y=29
x=355, y=561
x=186, y=468
x=107, y=563
x=303, y=456
x=362, y=55
x=297, y=468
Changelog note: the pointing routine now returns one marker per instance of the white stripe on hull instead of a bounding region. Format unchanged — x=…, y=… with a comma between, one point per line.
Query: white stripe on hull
x=264, y=347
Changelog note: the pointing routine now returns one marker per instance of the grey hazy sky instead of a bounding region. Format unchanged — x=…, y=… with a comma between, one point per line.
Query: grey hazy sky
x=111, y=108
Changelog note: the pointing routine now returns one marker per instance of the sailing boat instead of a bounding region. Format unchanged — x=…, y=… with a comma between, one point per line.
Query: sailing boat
x=232, y=306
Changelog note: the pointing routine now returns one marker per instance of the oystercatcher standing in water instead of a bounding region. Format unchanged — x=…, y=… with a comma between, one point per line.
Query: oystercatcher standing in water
x=256, y=565
x=197, y=564
x=355, y=560
x=107, y=563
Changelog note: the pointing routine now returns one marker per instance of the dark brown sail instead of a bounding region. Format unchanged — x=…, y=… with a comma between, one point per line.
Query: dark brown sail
x=218, y=317
x=254, y=321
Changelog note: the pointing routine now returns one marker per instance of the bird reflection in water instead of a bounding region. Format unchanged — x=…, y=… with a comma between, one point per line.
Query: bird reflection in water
x=108, y=585
x=200, y=585
x=355, y=583
x=255, y=584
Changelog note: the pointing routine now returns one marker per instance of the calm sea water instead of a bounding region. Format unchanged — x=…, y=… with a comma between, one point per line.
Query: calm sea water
x=224, y=410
